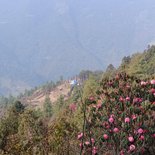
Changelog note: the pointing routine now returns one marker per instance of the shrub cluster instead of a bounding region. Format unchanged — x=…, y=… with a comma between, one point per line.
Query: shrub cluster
x=120, y=119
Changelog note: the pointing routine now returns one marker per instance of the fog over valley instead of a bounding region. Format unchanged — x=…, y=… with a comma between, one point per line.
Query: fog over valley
x=42, y=40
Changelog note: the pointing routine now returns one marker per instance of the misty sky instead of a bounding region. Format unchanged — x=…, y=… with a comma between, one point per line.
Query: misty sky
x=43, y=39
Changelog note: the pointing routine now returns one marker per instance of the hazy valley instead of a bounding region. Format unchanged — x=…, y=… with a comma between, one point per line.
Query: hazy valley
x=41, y=41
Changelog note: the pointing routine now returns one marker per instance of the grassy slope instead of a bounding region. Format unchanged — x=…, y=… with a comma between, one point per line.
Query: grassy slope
x=141, y=64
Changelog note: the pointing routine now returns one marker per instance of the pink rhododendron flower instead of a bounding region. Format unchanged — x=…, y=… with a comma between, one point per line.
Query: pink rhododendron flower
x=140, y=130
x=72, y=107
x=110, y=131
x=135, y=100
x=152, y=90
x=127, y=86
x=105, y=136
x=112, y=115
x=127, y=120
x=127, y=98
x=121, y=152
x=91, y=98
x=99, y=105
x=153, y=135
x=141, y=137
x=152, y=82
x=117, y=77
x=143, y=83
x=94, y=151
x=140, y=100
x=111, y=120
x=87, y=143
x=115, y=130
x=106, y=125
x=94, y=106
x=80, y=135
x=132, y=147
x=131, y=139
x=92, y=140
x=121, y=99
x=81, y=145
x=110, y=83
x=133, y=117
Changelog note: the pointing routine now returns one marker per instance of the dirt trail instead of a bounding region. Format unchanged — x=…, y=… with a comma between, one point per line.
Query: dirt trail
x=38, y=97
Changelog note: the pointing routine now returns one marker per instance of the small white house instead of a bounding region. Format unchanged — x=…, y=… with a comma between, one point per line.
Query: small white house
x=73, y=83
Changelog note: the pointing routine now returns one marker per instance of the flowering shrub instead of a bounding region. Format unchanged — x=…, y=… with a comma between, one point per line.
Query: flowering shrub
x=120, y=118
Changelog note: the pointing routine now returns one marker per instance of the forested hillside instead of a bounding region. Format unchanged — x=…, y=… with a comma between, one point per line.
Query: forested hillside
x=140, y=64
x=104, y=114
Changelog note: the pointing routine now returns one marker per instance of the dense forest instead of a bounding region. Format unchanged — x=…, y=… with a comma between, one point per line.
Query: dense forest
x=105, y=113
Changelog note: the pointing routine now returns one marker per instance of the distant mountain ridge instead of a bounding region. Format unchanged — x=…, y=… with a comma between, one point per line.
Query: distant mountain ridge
x=42, y=40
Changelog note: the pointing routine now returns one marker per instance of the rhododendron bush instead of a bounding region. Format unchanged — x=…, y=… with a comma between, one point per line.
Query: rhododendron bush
x=120, y=119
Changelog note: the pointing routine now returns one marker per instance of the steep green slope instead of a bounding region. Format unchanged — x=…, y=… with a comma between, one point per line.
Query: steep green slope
x=140, y=64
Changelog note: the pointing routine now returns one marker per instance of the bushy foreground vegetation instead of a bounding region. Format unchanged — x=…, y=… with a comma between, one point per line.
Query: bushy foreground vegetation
x=121, y=118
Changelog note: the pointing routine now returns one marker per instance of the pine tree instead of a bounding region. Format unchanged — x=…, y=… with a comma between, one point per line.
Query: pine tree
x=60, y=101
x=48, y=111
